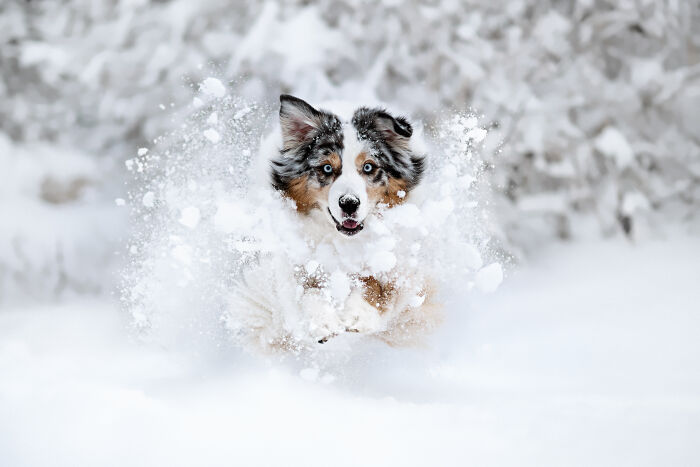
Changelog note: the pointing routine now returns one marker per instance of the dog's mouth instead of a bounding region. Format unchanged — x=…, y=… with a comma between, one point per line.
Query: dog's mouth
x=348, y=227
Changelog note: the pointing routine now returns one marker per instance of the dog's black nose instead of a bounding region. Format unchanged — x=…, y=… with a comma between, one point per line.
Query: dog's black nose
x=349, y=203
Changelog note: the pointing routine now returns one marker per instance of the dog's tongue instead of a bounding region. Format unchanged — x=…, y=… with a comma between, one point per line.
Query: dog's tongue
x=349, y=223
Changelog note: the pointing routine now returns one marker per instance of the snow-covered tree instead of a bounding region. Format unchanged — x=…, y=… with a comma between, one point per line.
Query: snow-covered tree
x=592, y=104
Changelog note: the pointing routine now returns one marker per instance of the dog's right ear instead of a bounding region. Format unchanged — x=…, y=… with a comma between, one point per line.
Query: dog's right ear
x=298, y=120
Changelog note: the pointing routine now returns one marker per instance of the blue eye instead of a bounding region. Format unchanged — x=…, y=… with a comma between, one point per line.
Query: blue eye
x=328, y=169
x=368, y=168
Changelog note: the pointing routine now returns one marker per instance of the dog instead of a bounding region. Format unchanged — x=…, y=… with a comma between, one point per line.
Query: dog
x=341, y=174
x=344, y=168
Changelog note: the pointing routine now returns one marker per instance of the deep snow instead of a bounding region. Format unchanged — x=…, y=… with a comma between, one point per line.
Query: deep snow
x=588, y=356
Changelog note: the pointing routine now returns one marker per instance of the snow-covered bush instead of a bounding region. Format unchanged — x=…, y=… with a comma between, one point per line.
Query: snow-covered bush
x=593, y=103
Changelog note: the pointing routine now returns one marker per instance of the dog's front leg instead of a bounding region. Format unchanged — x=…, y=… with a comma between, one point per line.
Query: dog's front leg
x=360, y=316
x=321, y=316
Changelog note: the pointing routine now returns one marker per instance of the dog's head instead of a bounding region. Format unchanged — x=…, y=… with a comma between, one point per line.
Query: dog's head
x=345, y=169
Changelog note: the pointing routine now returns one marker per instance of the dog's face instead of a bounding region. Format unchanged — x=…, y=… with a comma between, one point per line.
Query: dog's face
x=345, y=169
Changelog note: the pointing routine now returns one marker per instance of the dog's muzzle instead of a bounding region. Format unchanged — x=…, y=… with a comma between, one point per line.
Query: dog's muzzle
x=349, y=226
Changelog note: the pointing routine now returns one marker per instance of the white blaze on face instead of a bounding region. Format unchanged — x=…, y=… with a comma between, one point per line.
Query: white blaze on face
x=350, y=182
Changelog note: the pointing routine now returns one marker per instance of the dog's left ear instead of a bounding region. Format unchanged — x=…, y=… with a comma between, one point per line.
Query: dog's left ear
x=298, y=120
x=393, y=129
x=396, y=132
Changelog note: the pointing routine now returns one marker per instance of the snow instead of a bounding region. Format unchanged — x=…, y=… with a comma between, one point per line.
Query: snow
x=472, y=257
x=588, y=356
x=551, y=31
x=416, y=301
x=182, y=253
x=579, y=126
x=311, y=267
x=489, y=278
x=189, y=217
x=476, y=134
x=634, y=201
x=242, y=113
x=382, y=261
x=542, y=78
x=148, y=199
x=212, y=135
x=613, y=144
x=309, y=374
x=339, y=285
x=212, y=87
x=230, y=216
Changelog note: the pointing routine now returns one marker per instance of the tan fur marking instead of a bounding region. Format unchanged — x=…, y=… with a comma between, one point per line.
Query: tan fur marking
x=305, y=196
x=377, y=294
x=385, y=194
x=409, y=324
x=361, y=159
x=334, y=160
x=391, y=197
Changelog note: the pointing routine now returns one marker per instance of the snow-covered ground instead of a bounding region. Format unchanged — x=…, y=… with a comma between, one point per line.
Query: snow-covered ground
x=586, y=356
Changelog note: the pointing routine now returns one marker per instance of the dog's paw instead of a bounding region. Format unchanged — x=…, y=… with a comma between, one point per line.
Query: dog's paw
x=326, y=339
x=322, y=318
x=360, y=316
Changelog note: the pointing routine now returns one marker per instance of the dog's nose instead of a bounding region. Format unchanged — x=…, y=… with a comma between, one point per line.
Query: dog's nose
x=349, y=203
